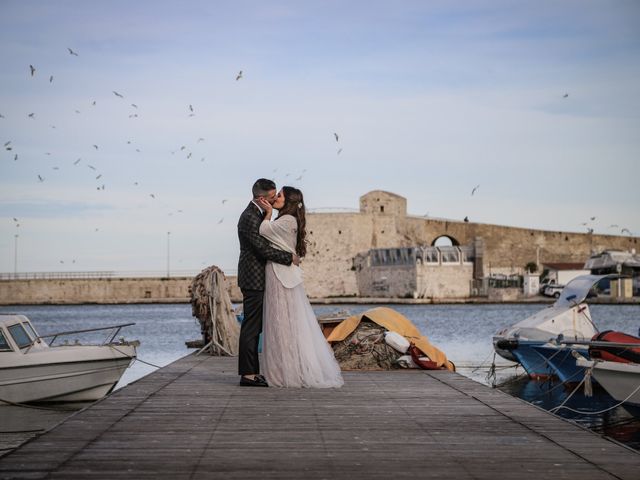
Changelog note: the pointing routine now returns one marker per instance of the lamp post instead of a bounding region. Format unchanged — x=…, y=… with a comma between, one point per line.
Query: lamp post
x=168, y=254
x=15, y=256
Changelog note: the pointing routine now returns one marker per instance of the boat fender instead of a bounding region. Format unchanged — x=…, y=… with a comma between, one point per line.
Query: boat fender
x=396, y=341
x=505, y=344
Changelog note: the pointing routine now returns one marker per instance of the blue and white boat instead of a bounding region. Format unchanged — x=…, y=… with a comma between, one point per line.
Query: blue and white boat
x=568, y=319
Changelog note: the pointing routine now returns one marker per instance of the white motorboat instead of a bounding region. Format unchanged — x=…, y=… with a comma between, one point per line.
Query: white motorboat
x=33, y=370
x=568, y=319
x=620, y=380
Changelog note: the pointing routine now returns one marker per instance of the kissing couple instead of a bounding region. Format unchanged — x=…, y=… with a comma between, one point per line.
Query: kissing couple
x=295, y=352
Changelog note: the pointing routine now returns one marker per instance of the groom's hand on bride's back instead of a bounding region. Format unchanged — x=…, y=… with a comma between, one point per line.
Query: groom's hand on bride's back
x=295, y=259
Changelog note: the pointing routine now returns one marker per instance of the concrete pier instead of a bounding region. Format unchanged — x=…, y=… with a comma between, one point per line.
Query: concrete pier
x=191, y=420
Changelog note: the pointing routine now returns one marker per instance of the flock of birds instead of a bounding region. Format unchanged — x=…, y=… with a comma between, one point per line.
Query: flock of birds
x=98, y=177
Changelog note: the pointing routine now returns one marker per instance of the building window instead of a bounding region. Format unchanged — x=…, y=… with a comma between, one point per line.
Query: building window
x=381, y=208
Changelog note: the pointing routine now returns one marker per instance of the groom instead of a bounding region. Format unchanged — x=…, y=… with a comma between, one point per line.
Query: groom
x=255, y=250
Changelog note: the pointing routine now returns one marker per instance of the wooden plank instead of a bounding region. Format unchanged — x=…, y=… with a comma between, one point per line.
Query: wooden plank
x=192, y=420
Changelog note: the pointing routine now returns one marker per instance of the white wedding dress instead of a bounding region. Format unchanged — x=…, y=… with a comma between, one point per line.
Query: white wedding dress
x=294, y=350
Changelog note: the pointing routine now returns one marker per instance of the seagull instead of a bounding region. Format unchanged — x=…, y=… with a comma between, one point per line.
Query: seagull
x=299, y=178
x=593, y=218
x=135, y=115
x=474, y=189
x=1, y=116
x=135, y=183
x=138, y=150
x=71, y=52
x=339, y=151
x=336, y=135
x=32, y=115
x=189, y=156
x=6, y=144
x=40, y=178
x=15, y=219
x=98, y=176
x=625, y=230
x=91, y=167
x=565, y=95
x=96, y=147
x=33, y=70
x=614, y=226
x=589, y=231
x=192, y=115
x=15, y=158
x=224, y=201
x=191, y=107
x=93, y=103
x=52, y=126
x=51, y=79
x=77, y=161
x=134, y=105
x=200, y=140
x=77, y=111
x=152, y=195
x=9, y=148
x=466, y=219
x=56, y=168
x=239, y=76
x=182, y=147
x=117, y=94
x=220, y=221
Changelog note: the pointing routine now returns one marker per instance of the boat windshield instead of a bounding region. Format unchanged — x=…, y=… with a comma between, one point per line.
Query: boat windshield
x=4, y=345
x=29, y=328
x=20, y=335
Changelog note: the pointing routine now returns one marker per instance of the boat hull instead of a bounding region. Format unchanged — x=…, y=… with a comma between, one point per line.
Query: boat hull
x=533, y=362
x=620, y=380
x=562, y=362
x=68, y=379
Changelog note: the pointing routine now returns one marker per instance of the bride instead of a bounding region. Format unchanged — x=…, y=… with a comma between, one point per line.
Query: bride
x=295, y=352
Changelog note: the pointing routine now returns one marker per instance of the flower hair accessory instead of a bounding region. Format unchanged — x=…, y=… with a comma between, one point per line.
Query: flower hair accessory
x=300, y=205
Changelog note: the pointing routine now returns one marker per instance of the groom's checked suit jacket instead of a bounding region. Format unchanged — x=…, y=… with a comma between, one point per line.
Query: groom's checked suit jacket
x=255, y=250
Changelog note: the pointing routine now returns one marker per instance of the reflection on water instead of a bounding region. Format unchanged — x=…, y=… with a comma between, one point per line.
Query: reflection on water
x=463, y=332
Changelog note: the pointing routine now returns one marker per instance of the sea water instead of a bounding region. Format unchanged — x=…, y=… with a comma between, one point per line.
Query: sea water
x=463, y=332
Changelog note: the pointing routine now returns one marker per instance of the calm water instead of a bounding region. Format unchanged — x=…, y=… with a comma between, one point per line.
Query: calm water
x=463, y=332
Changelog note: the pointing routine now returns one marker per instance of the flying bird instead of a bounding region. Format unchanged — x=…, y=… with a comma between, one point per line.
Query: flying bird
x=32, y=116
x=33, y=70
x=1, y=116
x=77, y=161
x=96, y=147
x=6, y=144
x=134, y=105
x=224, y=201
x=189, y=156
x=117, y=94
x=466, y=219
x=56, y=168
x=336, y=135
x=625, y=230
x=339, y=151
x=239, y=76
x=220, y=221
x=15, y=219
x=474, y=189
x=40, y=178
x=200, y=140
x=191, y=107
x=91, y=167
x=77, y=111
x=152, y=195
x=93, y=103
x=71, y=52
x=135, y=115
x=592, y=218
x=299, y=178
x=98, y=176
x=182, y=147
x=15, y=157
x=565, y=95
x=614, y=226
x=51, y=79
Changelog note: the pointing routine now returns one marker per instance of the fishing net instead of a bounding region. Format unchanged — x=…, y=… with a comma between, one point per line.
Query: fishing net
x=365, y=349
x=211, y=305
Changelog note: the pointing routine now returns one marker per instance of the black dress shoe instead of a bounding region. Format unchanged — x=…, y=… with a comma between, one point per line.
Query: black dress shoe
x=258, y=381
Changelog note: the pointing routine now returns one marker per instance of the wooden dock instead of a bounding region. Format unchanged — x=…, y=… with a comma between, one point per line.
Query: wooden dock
x=190, y=420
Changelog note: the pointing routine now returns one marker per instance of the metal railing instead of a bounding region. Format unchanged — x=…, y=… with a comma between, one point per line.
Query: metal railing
x=101, y=274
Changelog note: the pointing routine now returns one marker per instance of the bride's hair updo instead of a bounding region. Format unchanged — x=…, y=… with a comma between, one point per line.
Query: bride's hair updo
x=294, y=205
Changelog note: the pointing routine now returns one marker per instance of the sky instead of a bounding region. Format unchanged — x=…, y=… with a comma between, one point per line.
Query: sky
x=537, y=104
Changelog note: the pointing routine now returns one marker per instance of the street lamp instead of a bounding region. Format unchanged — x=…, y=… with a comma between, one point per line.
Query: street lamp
x=168, y=253
x=15, y=256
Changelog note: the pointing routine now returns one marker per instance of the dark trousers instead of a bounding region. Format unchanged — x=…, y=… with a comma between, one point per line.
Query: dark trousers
x=252, y=301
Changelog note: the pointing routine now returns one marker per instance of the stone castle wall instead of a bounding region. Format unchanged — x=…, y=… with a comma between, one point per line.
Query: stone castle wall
x=336, y=238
